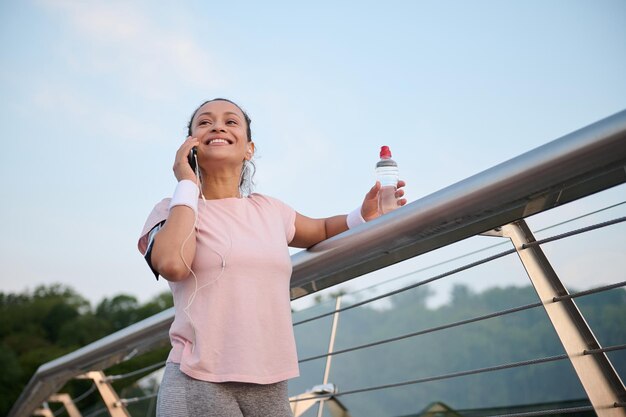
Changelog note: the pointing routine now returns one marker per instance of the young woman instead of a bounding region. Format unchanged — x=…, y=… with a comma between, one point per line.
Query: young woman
x=225, y=255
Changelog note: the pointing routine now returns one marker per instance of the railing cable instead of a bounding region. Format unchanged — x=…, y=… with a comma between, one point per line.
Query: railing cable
x=602, y=350
x=136, y=372
x=590, y=291
x=85, y=394
x=580, y=217
x=547, y=412
x=575, y=232
x=77, y=399
x=127, y=401
x=459, y=323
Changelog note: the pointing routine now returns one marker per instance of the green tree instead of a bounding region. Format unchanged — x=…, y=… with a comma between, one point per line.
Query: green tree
x=120, y=311
x=51, y=321
x=11, y=372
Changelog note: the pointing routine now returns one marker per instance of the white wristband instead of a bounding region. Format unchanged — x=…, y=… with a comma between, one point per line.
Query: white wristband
x=355, y=218
x=186, y=194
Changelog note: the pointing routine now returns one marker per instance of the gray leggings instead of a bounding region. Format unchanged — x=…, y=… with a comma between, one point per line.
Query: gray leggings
x=183, y=396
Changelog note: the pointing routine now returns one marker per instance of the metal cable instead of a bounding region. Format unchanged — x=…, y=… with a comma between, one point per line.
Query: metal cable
x=461, y=322
x=85, y=394
x=601, y=350
x=588, y=292
x=546, y=412
x=417, y=284
x=58, y=412
x=77, y=399
x=446, y=376
x=126, y=401
x=580, y=217
x=575, y=232
x=133, y=373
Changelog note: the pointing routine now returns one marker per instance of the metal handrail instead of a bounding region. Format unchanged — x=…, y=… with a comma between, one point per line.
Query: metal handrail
x=579, y=164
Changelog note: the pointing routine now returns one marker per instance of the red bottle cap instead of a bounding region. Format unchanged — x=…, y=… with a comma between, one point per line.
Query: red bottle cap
x=385, y=152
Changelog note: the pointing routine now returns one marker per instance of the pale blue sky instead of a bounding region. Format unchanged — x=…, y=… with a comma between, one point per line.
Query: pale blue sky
x=96, y=96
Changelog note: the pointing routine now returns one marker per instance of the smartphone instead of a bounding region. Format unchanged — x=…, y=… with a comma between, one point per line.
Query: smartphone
x=192, y=158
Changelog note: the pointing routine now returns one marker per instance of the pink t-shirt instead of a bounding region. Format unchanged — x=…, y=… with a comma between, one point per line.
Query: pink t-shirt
x=235, y=324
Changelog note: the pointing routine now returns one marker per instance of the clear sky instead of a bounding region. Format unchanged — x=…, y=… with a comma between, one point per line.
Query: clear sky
x=95, y=98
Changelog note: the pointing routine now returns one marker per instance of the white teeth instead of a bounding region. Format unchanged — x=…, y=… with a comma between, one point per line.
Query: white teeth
x=218, y=141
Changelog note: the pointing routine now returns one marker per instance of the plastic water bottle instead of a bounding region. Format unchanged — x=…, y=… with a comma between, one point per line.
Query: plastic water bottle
x=387, y=174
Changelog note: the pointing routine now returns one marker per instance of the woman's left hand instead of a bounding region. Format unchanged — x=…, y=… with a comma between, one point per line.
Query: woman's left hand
x=369, y=208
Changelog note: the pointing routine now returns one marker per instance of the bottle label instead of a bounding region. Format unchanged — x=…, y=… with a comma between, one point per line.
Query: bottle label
x=388, y=176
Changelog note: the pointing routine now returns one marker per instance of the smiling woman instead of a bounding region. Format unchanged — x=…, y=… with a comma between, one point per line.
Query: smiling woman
x=225, y=255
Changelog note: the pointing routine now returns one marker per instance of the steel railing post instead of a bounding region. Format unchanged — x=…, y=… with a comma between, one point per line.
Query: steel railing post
x=110, y=398
x=596, y=373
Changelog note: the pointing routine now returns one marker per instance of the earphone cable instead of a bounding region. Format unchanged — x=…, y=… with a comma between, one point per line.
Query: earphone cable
x=195, y=277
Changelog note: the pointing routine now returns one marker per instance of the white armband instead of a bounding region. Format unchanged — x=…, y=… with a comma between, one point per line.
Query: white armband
x=355, y=218
x=186, y=194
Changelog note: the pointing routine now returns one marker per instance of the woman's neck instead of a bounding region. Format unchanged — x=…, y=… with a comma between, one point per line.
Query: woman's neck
x=213, y=194
x=216, y=187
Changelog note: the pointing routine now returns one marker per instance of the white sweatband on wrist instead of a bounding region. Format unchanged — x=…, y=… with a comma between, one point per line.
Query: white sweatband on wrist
x=186, y=194
x=355, y=218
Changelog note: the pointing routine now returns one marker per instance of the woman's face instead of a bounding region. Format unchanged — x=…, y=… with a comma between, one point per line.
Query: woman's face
x=221, y=128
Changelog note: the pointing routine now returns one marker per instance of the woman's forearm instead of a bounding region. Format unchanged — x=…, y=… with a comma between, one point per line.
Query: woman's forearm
x=175, y=244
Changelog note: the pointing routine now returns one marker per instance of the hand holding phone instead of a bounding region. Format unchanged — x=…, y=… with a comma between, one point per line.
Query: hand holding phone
x=186, y=162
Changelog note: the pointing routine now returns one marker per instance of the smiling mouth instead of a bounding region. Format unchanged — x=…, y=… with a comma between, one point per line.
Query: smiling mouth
x=218, y=141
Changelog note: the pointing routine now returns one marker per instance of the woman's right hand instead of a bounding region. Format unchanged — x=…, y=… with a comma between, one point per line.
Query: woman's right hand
x=182, y=169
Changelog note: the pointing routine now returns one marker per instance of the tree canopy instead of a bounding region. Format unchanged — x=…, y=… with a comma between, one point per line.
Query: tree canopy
x=50, y=321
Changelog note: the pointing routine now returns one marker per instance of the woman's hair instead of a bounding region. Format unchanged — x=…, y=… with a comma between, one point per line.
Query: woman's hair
x=248, y=169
